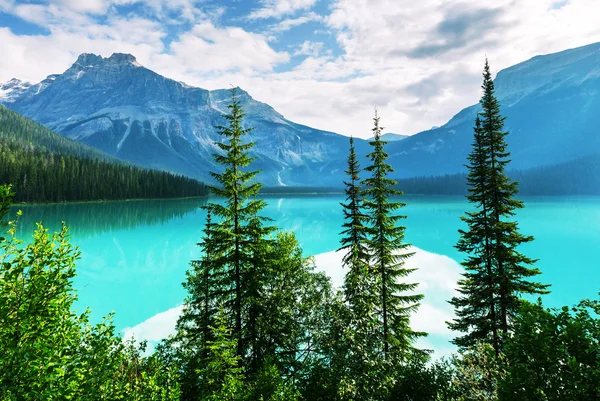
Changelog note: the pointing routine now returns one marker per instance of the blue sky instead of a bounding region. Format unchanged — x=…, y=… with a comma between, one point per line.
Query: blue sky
x=324, y=63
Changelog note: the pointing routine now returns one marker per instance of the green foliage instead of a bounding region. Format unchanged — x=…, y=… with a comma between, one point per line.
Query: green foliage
x=293, y=315
x=479, y=373
x=388, y=253
x=270, y=295
x=417, y=381
x=6, y=199
x=269, y=385
x=45, y=167
x=554, y=354
x=48, y=351
x=496, y=273
x=222, y=378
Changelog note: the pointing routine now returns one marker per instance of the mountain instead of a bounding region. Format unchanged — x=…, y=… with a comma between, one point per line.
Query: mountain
x=389, y=137
x=551, y=102
x=137, y=115
x=43, y=166
x=11, y=90
x=552, y=109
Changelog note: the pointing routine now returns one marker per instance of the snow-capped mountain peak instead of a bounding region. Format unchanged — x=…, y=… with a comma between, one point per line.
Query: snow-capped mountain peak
x=12, y=89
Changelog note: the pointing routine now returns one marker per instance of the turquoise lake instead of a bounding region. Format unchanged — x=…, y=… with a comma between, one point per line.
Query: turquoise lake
x=134, y=254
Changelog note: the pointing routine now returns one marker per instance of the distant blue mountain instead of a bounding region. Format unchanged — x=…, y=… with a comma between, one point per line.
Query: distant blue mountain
x=389, y=137
x=552, y=105
x=552, y=109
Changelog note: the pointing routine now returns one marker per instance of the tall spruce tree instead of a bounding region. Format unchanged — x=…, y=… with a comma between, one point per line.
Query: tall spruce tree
x=357, y=284
x=232, y=270
x=389, y=253
x=476, y=307
x=233, y=232
x=497, y=273
x=357, y=361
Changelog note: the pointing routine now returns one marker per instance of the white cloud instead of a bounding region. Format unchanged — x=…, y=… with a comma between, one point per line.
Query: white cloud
x=204, y=49
x=207, y=48
x=308, y=48
x=56, y=52
x=443, y=44
x=75, y=12
x=279, y=8
x=91, y=6
x=290, y=23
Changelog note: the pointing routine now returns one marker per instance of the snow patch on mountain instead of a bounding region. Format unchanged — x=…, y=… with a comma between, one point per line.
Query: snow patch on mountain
x=11, y=90
x=279, y=180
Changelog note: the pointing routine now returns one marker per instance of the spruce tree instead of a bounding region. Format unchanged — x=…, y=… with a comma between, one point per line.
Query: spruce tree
x=204, y=282
x=357, y=361
x=357, y=284
x=497, y=273
x=234, y=268
x=389, y=252
x=476, y=307
x=232, y=233
x=256, y=277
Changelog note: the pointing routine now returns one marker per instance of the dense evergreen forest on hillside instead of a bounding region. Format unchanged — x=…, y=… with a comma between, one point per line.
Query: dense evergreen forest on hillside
x=260, y=324
x=580, y=176
x=45, y=167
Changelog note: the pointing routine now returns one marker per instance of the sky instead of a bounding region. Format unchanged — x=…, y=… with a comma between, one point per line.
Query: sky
x=324, y=63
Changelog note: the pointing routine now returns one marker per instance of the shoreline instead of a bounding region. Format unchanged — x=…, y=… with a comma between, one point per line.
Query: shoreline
x=103, y=201
x=285, y=193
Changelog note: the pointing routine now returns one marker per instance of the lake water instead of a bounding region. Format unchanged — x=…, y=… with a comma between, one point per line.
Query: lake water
x=135, y=253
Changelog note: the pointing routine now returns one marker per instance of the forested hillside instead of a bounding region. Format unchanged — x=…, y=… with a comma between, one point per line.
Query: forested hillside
x=576, y=177
x=45, y=167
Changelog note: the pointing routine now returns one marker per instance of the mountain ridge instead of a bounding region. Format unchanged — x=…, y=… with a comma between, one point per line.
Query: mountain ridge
x=135, y=114
x=549, y=102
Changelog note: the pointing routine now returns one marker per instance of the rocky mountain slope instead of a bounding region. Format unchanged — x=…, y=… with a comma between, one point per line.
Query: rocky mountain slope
x=130, y=112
